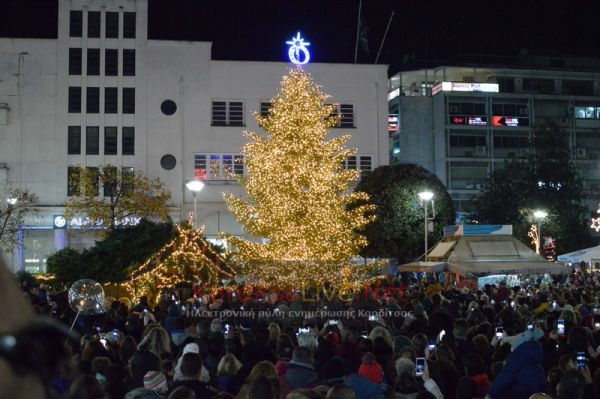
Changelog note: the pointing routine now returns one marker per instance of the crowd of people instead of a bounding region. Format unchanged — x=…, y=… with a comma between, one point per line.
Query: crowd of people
x=535, y=340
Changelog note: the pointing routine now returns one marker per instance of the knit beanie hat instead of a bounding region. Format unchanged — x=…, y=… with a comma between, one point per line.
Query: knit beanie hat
x=155, y=380
x=370, y=369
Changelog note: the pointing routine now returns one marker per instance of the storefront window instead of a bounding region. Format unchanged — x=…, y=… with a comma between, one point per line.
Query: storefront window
x=37, y=246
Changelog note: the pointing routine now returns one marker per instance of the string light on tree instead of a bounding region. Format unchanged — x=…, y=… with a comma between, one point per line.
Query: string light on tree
x=187, y=258
x=299, y=193
x=596, y=221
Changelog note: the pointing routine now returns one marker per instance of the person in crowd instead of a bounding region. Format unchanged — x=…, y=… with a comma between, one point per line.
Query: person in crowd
x=300, y=372
x=191, y=367
x=228, y=367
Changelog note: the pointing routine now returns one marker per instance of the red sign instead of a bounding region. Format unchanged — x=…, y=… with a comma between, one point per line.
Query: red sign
x=457, y=120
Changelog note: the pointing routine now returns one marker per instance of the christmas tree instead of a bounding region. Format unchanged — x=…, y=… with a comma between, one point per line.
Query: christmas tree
x=188, y=259
x=299, y=198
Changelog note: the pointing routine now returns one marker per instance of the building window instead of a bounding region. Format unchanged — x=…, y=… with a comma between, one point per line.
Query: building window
x=345, y=114
x=94, y=176
x=129, y=100
x=92, y=140
x=128, y=137
x=111, y=62
x=110, y=140
x=362, y=163
x=93, y=61
x=218, y=166
x=109, y=181
x=111, y=102
x=75, y=23
x=265, y=107
x=74, y=61
x=112, y=25
x=93, y=23
x=128, y=62
x=73, y=183
x=587, y=112
x=129, y=25
x=92, y=105
x=74, y=141
x=74, y=99
x=127, y=179
x=228, y=113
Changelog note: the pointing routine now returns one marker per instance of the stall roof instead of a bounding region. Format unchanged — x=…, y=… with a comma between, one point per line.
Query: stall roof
x=489, y=254
x=583, y=255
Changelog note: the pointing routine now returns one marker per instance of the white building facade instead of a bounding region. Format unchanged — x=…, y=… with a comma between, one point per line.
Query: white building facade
x=102, y=93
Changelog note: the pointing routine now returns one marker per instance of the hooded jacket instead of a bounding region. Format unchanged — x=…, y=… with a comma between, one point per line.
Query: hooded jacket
x=522, y=374
x=300, y=375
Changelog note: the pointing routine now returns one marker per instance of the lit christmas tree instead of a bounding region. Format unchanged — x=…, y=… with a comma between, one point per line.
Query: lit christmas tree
x=299, y=198
x=187, y=259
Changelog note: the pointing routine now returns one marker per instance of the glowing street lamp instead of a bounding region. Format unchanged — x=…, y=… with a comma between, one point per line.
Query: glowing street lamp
x=11, y=201
x=426, y=196
x=195, y=186
x=539, y=215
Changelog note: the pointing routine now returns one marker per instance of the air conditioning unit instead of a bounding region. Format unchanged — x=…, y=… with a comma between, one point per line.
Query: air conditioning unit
x=479, y=186
x=580, y=152
x=453, y=109
x=523, y=111
x=469, y=154
x=524, y=151
x=480, y=150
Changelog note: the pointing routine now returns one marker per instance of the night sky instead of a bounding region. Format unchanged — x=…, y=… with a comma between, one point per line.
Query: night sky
x=422, y=30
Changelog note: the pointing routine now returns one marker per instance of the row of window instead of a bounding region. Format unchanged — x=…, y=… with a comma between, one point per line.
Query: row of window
x=231, y=113
x=481, y=141
x=111, y=62
x=502, y=109
x=111, y=24
x=111, y=100
x=587, y=112
x=231, y=166
x=74, y=185
x=92, y=140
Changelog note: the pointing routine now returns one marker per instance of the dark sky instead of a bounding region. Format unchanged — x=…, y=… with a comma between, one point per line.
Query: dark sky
x=429, y=29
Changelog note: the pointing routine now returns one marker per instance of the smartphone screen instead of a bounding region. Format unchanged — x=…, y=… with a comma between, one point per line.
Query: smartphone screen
x=580, y=359
x=499, y=332
x=420, y=366
x=529, y=327
x=597, y=326
x=560, y=326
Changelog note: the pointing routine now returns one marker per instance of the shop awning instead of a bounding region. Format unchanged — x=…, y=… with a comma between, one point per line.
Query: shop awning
x=427, y=267
x=583, y=255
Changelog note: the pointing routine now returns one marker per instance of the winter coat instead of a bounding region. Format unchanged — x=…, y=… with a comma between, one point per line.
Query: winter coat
x=143, y=393
x=522, y=374
x=300, y=375
x=364, y=388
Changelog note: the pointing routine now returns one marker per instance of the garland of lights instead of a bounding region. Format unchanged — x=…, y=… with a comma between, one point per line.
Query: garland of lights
x=187, y=258
x=300, y=198
x=533, y=234
x=596, y=222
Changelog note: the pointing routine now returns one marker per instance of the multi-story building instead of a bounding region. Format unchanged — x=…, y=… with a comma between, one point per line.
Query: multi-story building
x=462, y=122
x=102, y=93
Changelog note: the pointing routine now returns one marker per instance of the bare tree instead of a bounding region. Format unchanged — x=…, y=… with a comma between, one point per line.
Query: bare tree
x=15, y=203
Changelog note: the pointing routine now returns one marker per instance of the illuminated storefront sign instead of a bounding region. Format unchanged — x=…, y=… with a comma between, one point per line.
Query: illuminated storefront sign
x=393, y=123
x=393, y=94
x=298, y=52
x=469, y=120
x=468, y=87
x=509, y=121
x=77, y=222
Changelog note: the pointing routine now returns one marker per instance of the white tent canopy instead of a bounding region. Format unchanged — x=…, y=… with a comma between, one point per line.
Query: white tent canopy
x=586, y=255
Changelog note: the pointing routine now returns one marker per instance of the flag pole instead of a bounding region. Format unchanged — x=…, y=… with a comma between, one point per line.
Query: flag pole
x=357, y=30
x=384, y=36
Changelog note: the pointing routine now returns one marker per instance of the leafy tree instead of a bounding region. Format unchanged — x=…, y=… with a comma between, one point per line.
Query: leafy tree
x=25, y=279
x=124, y=194
x=398, y=228
x=546, y=179
x=15, y=204
x=67, y=265
x=111, y=258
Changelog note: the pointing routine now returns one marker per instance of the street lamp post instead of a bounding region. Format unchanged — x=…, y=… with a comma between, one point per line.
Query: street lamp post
x=539, y=215
x=425, y=197
x=195, y=186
